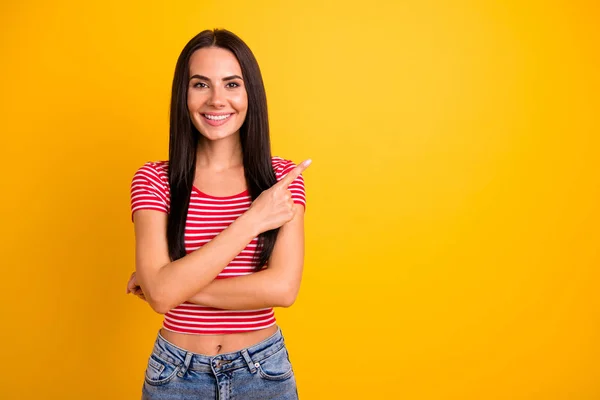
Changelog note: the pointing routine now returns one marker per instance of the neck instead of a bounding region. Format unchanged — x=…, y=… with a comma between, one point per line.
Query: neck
x=219, y=155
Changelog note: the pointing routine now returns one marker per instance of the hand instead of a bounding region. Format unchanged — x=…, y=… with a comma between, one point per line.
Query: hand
x=275, y=206
x=133, y=287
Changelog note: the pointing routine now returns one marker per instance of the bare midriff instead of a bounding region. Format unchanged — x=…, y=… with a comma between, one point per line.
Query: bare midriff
x=211, y=345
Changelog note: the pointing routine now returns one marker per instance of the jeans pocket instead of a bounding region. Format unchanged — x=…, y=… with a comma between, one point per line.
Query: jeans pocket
x=159, y=371
x=276, y=367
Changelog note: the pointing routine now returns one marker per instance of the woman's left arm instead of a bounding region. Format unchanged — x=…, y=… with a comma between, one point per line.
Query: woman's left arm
x=276, y=286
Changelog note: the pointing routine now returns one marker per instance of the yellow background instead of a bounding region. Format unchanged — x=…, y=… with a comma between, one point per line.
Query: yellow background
x=452, y=222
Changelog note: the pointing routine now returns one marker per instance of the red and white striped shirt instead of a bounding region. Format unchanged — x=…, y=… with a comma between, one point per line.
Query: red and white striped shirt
x=207, y=217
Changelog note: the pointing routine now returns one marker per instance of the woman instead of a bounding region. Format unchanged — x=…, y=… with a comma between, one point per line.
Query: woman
x=219, y=233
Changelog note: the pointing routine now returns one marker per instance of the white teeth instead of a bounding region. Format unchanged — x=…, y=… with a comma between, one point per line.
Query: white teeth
x=217, y=117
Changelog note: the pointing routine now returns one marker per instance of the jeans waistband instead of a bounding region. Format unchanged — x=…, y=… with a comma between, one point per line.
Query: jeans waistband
x=249, y=357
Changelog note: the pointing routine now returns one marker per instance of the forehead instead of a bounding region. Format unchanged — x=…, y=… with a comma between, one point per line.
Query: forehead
x=214, y=62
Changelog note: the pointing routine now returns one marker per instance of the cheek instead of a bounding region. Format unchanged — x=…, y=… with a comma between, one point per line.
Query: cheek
x=240, y=102
x=193, y=102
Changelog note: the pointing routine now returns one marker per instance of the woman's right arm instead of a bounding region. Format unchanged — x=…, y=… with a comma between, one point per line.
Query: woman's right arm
x=167, y=284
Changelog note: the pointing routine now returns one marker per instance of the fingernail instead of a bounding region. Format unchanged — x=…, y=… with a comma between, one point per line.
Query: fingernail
x=307, y=162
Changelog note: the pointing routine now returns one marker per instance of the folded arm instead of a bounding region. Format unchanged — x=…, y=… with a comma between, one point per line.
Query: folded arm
x=276, y=286
x=167, y=284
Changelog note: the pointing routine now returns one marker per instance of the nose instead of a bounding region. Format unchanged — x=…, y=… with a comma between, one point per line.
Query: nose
x=217, y=97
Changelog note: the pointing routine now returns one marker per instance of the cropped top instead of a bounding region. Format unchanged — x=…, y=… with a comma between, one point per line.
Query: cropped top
x=207, y=217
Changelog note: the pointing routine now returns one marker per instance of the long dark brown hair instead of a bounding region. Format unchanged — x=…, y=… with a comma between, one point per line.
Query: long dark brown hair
x=183, y=139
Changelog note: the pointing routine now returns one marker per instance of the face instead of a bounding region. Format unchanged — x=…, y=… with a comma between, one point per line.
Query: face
x=217, y=100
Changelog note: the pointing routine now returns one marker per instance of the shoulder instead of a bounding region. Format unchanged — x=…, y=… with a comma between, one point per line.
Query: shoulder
x=282, y=166
x=154, y=171
x=156, y=167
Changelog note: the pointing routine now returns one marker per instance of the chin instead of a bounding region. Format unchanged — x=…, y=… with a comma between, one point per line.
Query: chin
x=217, y=132
x=213, y=134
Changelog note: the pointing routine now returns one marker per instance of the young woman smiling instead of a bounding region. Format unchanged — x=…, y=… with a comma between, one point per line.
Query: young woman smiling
x=219, y=234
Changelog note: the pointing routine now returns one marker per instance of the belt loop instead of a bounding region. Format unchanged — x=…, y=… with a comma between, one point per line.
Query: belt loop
x=249, y=361
x=183, y=369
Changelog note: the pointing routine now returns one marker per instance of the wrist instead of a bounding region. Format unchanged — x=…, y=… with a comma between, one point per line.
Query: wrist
x=248, y=223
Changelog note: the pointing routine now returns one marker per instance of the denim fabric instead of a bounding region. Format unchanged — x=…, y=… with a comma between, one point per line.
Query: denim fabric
x=260, y=372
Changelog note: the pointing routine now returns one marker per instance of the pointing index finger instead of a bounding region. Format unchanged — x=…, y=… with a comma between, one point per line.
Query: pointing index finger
x=294, y=173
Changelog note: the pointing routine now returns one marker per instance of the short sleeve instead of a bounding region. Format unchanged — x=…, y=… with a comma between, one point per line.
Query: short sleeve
x=148, y=190
x=282, y=167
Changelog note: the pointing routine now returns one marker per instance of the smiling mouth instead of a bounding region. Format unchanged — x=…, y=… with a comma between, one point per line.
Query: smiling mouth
x=216, y=117
x=216, y=120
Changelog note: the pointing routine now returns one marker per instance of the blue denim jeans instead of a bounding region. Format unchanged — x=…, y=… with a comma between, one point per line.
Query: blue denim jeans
x=260, y=372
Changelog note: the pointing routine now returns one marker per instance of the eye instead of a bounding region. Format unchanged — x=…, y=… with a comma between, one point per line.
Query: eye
x=202, y=84
x=232, y=85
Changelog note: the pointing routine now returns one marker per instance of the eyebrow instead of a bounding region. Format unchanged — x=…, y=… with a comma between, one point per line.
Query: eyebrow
x=204, y=78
